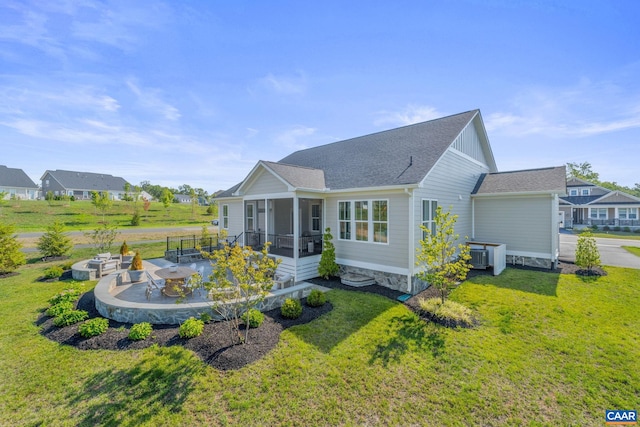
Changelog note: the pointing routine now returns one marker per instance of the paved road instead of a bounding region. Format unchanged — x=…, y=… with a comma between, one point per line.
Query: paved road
x=611, y=251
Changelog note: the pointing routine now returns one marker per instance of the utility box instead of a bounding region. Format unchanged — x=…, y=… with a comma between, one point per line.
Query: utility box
x=484, y=255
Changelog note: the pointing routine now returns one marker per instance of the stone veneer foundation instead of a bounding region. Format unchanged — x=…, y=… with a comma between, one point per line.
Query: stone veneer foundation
x=172, y=314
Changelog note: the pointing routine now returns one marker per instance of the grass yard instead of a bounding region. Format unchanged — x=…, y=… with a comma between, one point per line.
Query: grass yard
x=633, y=249
x=551, y=350
x=612, y=234
x=37, y=215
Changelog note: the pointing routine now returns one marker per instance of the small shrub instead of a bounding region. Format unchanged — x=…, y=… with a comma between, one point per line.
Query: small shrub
x=449, y=313
x=594, y=227
x=291, y=308
x=94, y=327
x=606, y=228
x=135, y=219
x=210, y=210
x=627, y=229
x=637, y=230
x=616, y=228
x=206, y=317
x=253, y=318
x=70, y=318
x=67, y=265
x=124, y=248
x=68, y=295
x=58, y=309
x=140, y=331
x=136, y=262
x=53, y=272
x=316, y=298
x=191, y=328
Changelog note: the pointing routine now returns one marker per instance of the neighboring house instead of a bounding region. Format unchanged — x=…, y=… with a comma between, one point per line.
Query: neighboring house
x=588, y=204
x=182, y=198
x=16, y=184
x=81, y=184
x=374, y=192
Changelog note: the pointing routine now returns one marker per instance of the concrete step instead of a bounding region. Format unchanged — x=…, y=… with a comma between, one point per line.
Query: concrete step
x=356, y=280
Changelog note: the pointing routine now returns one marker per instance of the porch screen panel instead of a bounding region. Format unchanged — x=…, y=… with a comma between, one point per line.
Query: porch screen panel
x=344, y=219
x=380, y=221
x=250, y=216
x=315, y=217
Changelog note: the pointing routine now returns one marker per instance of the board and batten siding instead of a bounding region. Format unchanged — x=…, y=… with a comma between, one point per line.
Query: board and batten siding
x=522, y=223
x=264, y=182
x=387, y=257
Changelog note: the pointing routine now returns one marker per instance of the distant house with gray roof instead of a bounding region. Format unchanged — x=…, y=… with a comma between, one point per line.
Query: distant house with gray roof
x=375, y=191
x=81, y=184
x=588, y=204
x=16, y=184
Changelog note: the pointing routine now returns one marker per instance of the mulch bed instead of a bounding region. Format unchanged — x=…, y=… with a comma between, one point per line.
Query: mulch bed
x=213, y=346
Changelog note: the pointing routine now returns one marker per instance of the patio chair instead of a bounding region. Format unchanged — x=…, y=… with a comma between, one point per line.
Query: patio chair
x=152, y=285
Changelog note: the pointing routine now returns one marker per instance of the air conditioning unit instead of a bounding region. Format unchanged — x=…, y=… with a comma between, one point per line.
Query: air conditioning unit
x=479, y=258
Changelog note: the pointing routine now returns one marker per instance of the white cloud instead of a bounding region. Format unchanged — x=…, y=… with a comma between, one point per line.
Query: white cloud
x=151, y=99
x=409, y=115
x=583, y=110
x=289, y=138
x=287, y=85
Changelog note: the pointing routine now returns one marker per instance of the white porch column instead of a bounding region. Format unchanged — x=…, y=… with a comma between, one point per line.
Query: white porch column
x=296, y=225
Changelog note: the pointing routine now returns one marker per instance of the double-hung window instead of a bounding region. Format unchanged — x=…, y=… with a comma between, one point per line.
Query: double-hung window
x=573, y=192
x=368, y=218
x=429, y=215
x=627, y=213
x=250, y=216
x=315, y=218
x=598, y=213
x=585, y=191
x=344, y=219
x=225, y=216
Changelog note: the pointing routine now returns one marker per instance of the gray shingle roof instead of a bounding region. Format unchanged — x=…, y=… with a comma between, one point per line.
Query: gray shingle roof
x=73, y=180
x=394, y=157
x=580, y=200
x=298, y=176
x=15, y=178
x=552, y=180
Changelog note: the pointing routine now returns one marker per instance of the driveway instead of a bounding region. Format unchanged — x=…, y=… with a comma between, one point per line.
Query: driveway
x=611, y=251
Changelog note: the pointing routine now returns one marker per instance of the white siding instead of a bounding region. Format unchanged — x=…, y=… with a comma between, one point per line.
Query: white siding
x=235, y=216
x=264, y=182
x=524, y=224
x=450, y=182
x=395, y=253
x=468, y=143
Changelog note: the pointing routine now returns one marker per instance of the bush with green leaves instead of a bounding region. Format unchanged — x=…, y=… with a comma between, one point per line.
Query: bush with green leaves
x=58, y=309
x=627, y=229
x=94, y=327
x=135, y=219
x=55, y=243
x=252, y=318
x=616, y=228
x=328, y=267
x=191, y=328
x=68, y=295
x=316, y=298
x=587, y=253
x=70, y=317
x=594, y=227
x=140, y=331
x=53, y=272
x=637, y=230
x=206, y=317
x=606, y=228
x=449, y=313
x=11, y=257
x=291, y=308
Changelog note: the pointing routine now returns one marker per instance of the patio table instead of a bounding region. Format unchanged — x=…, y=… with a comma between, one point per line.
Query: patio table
x=175, y=280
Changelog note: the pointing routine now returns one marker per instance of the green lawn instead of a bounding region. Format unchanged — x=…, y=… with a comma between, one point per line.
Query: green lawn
x=36, y=215
x=612, y=234
x=633, y=249
x=551, y=350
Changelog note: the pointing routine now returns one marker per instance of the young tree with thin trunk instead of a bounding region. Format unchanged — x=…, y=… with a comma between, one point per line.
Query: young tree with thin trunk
x=55, y=243
x=11, y=257
x=240, y=280
x=444, y=262
x=587, y=253
x=102, y=201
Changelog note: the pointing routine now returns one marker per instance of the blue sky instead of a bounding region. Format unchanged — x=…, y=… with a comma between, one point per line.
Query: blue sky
x=196, y=92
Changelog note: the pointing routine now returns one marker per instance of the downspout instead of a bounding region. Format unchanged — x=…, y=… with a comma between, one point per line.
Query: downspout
x=412, y=241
